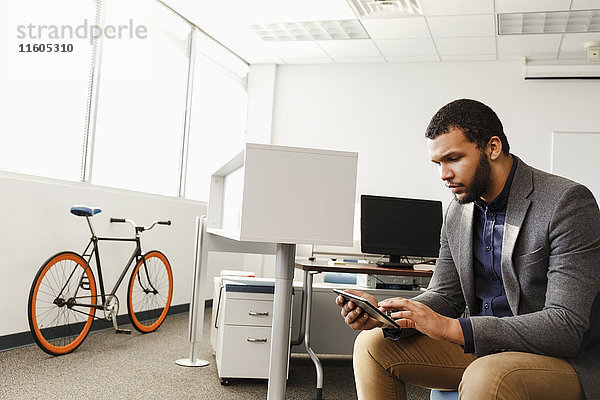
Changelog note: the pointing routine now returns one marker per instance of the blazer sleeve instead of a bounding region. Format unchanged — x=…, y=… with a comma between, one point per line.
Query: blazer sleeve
x=573, y=283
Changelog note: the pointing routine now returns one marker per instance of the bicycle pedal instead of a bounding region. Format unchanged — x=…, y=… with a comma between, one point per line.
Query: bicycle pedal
x=123, y=331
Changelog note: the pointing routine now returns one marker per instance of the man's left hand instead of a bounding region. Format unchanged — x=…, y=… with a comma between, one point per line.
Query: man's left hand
x=412, y=314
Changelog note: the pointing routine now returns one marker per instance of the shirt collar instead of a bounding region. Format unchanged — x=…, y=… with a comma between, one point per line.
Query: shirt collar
x=499, y=203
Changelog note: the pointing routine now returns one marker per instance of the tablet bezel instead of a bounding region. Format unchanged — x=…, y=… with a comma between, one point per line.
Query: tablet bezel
x=369, y=308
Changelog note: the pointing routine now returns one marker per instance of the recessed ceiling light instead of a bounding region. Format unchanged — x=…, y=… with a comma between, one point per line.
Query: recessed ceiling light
x=387, y=8
x=575, y=21
x=311, y=30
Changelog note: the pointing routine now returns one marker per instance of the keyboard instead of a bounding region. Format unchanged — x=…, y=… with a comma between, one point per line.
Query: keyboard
x=388, y=264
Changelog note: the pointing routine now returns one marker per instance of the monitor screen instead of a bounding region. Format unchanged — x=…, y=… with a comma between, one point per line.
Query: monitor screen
x=399, y=227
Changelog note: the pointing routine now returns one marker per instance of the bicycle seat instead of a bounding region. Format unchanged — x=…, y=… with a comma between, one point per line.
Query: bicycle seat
x=84, y=211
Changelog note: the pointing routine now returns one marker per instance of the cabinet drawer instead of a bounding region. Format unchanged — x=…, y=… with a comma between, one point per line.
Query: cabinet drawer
x=245, y=352
x=248, y=312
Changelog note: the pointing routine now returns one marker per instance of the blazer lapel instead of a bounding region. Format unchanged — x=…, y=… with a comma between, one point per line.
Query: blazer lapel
x=516, y=210
x=465, y=265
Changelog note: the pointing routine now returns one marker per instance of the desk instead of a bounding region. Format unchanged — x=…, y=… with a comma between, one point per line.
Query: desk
x=314, y=267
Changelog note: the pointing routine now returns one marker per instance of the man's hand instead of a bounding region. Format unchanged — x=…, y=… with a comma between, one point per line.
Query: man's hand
x=412, y=314
x=354, y=316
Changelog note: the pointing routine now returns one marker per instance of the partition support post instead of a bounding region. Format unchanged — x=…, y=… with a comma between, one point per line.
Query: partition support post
x=196, y=300
x=282, y=312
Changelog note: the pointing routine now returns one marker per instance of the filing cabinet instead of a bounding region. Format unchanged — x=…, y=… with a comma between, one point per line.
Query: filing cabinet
x=241, y=327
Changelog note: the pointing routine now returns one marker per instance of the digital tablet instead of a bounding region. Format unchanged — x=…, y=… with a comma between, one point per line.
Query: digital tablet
x=368, y=308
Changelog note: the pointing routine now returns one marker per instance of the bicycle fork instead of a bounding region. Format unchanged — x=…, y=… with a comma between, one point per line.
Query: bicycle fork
x=149, y=283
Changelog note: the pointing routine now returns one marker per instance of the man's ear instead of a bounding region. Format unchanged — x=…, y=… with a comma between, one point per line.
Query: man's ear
x=494, y=148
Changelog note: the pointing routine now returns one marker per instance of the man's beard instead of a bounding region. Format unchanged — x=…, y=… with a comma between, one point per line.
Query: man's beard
x=479, y=182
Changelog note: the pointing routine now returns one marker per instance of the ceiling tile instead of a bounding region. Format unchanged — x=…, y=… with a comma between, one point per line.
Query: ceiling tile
x=471, y=45
x=585, y=4
x=397, y=40
x=403, y=59
x=466, y=25
x=241, y=13
x=510, y=6
x=457, y=7
x=530, y=57
x=264, y=59
x=357, y=60
x=572, y=47
x=396, y=28
x=294, y=50
x=350, y=48
x=308, y=60
x=511, y=57
x=527, y=45
x=573, y=42
x=406, y=47
x=469, y=57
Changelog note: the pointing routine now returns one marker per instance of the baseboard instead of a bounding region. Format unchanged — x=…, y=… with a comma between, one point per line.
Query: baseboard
x=8, y=342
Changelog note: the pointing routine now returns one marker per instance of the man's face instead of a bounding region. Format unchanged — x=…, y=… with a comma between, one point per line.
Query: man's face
x=463, y=167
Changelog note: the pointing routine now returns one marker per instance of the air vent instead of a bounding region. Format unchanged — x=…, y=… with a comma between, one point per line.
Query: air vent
x=578, y=21
x=387, y=8
x=311, y=30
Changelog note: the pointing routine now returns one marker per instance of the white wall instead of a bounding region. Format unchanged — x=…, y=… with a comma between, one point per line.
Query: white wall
x=382, y=110
x=36, y=223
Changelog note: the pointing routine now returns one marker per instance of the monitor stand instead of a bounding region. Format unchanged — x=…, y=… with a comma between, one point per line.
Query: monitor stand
x=396, y=262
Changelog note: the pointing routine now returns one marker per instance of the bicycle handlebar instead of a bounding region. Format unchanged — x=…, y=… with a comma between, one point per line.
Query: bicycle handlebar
x=141, y=228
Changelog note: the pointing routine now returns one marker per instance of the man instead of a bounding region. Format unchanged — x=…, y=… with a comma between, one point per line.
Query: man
x=519, y=261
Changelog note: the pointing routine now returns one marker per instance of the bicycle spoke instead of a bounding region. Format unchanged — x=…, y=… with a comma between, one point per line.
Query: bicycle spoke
x=149, y=293
x=59, y=327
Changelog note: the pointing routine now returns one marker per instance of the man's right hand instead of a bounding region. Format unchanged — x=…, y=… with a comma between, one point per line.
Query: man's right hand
x=354, y=316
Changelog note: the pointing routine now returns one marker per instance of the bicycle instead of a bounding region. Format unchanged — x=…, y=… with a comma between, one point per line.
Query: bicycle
x=64, y=297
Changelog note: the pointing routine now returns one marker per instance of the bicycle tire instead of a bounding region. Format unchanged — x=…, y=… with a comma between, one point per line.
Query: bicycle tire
x=150, y=292
x=58, y=326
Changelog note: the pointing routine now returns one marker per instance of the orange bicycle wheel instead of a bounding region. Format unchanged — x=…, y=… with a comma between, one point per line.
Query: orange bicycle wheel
x=61, y=303
x=150, y=292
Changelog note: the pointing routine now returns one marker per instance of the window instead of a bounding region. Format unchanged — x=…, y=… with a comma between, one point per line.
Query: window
x=217, y=131
x=141, y=104
x=43, y=94
x=142, y=77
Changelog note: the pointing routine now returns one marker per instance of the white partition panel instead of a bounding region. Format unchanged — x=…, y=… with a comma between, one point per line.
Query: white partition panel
x=282, y=194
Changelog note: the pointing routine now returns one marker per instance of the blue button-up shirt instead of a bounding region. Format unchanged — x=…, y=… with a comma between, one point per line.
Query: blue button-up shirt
x=488, y=232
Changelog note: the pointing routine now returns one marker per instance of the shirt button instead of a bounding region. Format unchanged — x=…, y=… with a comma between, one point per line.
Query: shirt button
x=486, y=305
x=491, y=214
x=488, y=248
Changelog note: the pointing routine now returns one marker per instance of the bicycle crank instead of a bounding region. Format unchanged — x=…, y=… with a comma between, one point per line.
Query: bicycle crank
x=111, y=311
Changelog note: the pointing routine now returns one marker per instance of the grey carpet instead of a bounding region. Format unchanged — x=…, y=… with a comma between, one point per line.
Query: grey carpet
x=110, y=366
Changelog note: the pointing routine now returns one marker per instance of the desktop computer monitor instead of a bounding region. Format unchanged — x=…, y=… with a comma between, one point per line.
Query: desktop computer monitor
x=400, y=227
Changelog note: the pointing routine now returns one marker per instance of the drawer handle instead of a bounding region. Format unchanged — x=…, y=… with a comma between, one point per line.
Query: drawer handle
x=258, y=314
x=256, y=340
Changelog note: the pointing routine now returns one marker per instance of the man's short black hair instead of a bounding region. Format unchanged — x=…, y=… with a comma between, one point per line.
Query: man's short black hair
x=478, y=122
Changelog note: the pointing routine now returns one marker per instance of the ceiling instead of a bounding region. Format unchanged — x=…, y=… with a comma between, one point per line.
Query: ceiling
x=448, y=30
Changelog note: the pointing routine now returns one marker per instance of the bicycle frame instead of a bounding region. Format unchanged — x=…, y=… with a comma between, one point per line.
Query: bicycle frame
x=95, y=252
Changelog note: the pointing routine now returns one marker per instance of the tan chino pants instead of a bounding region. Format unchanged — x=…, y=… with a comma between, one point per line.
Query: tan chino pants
x=382, y=366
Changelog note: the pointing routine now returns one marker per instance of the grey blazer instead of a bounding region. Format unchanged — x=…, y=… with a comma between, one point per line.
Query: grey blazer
x=550, y=268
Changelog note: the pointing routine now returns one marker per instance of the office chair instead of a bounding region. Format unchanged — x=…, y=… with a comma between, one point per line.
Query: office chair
x=443, y=395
